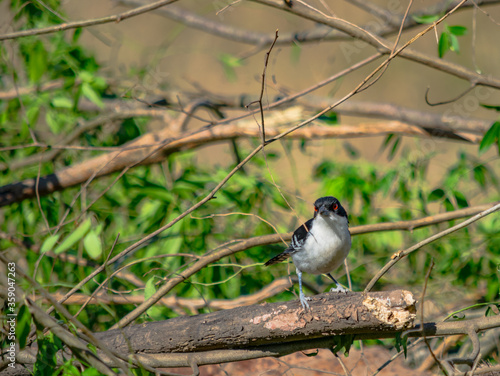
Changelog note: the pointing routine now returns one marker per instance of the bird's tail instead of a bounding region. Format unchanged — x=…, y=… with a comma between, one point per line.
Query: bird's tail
x=281, y=257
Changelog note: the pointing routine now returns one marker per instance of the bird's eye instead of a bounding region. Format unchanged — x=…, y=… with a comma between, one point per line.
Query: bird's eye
x=335, y=206
x=315, y=208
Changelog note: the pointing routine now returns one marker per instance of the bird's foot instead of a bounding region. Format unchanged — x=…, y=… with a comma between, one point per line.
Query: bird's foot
x=303, y=301
x=339, y=289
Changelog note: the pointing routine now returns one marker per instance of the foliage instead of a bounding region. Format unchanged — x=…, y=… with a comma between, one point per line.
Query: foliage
x=148, y=197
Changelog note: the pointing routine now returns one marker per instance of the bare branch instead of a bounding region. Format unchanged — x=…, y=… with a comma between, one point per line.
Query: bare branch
x=316, y=34
x=85, y=23
x=148, y=150
x=383, y=45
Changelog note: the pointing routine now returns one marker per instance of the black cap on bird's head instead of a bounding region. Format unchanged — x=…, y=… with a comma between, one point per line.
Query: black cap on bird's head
x=329, y=204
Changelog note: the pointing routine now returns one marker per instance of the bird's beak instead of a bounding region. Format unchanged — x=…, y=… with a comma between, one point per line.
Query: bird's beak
x=323, y=210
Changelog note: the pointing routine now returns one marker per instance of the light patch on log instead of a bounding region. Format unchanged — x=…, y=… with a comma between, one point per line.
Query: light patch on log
x=398, y=309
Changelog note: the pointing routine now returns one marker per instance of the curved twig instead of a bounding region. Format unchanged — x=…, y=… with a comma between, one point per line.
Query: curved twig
x=470, y=88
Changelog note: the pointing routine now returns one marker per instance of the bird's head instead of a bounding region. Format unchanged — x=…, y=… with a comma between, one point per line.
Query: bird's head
x=329, y=207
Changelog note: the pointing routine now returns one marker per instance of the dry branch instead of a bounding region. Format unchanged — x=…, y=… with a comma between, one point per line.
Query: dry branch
x=273, y=330
x=384, y=45
x=90, y=22
x=264, y=324
x=155, y=146
x=390, y=23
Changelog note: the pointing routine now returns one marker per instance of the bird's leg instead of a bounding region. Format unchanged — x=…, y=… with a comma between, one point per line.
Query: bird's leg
x=302, y=297
x=339, y=287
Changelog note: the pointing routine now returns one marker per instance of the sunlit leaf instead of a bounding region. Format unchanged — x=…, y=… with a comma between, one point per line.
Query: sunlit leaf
x=92, y=95
x=74, y=237
x=92, y=244
x=49, y=243
x=454, y=45
x=62, y=102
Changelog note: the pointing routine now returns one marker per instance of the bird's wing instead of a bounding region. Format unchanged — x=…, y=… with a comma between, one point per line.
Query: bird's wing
x=298, y=239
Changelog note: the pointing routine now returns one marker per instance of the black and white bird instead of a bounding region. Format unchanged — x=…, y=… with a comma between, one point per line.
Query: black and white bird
x=321, y=244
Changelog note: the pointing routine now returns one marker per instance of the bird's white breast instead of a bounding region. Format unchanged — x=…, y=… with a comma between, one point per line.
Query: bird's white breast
x=326, y=247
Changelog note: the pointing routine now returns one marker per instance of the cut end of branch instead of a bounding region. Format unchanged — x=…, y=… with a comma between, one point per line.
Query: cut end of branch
x=397, y=309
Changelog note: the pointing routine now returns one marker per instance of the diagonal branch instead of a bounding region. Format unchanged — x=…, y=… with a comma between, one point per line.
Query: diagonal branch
x=401, y=254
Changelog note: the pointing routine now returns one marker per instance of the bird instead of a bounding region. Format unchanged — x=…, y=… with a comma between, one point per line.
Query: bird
x=320, y=245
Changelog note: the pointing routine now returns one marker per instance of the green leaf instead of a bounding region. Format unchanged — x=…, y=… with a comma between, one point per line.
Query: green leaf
x=480, y=175
x=92, y=95
x=37, y=61
x=62, y=102
x=74, y=237
x=49, y=243
x=454, y=45
x=150, y=288
x=92, y=244
x=496, y=108
x=330, y=118
x=153, y=312
x=461, y=200
x=76, y=34
x=91, y=372
x=457, y=30
x=489, y=138
x=52, y=121
x=388, y=139
x=23, y=325
x=436, y=194
x=86, y=76
x=426, y=19
x=444, y=44
x=395, y=146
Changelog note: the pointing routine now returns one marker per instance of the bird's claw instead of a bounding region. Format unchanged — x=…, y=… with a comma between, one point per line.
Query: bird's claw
x=339, y=289
x=303, y=301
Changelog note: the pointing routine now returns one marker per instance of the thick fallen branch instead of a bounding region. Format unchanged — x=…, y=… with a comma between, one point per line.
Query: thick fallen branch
x=268, y=324
x=259, y=330
x=274, y=329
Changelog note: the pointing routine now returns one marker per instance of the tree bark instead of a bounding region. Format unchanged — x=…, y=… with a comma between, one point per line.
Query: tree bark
x=266, y=324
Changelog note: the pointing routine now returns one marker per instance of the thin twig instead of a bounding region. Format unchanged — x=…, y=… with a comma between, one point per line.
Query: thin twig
x=401, y=254
x=85, y=23
x=383, y=44
x=422, y=302
x=262, y=88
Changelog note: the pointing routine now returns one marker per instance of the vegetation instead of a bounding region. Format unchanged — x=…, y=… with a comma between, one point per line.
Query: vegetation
x=61, y=108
